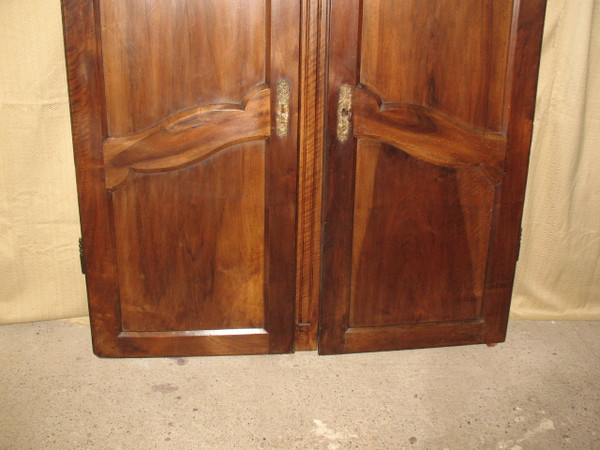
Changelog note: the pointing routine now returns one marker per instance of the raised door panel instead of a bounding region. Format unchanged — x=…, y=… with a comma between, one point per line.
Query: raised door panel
x=185, y=130
x=204, y=268
x=416, y=240
x=457, y=51
x=428, y=139
x=200, y=52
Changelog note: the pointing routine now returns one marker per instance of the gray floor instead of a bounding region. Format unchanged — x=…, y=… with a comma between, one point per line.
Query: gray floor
x=539, y=390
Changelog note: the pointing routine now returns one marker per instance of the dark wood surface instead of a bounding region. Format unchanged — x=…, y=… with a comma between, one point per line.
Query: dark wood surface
x=418, y=248
x=446, y=54
x=205, y=267
x=202, y=230
x=423, y=204
x=187, y=197
x=310, y=170
x=519, y=106
x=163, y=57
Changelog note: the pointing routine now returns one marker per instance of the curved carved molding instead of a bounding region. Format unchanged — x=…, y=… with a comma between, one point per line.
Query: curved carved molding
x=427, y=134
x=188, y=137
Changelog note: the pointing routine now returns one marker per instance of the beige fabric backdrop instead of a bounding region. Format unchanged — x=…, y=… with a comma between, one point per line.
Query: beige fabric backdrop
x=559, y=271
x=40, y=277
x=558, y=275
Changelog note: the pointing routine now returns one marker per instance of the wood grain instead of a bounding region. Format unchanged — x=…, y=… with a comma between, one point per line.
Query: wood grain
x=310, y=169
x=422, y=206
x=339, y=180
x=519, y=106
x=188, y=200
x=427, y=134
x=164, y=57
x=205, y=267
x=194, y=242
x=368, y=339
x=419, y=249
x=88, y=125
x=445, y=54
x=188, y=137
x=282, y=178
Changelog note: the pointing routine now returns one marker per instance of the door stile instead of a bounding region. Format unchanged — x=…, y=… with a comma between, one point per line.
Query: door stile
x=310, y=169
x=343, y=61
x=282, y=164
x=519, y=108
x=88, y=124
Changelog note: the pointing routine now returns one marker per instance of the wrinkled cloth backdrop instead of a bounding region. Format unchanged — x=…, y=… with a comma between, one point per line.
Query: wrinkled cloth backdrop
x=558, y=275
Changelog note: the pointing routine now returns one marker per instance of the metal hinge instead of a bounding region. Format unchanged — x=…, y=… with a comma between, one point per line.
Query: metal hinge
x=81, y=257
x=519, y=247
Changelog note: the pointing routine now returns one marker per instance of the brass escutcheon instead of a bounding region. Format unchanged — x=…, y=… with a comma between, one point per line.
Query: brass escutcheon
x=344, y=113
x=282, y=115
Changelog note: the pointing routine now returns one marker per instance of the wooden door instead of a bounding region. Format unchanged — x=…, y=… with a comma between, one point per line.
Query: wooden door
x=184, y=118
x=430, y=107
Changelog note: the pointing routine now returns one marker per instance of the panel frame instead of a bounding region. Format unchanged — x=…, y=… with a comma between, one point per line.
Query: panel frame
x=336, y=335
x=310, y=170
x=82, y=36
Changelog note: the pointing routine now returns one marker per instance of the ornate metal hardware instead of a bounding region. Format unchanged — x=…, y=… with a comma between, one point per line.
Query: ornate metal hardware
x=282, y=114
x=344, y=113
x=81, y=257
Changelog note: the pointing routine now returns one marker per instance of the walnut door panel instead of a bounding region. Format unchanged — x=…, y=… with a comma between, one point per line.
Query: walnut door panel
x=211, y=226
x=450, y=55
x=414, y=240
x=424, y=198
x=187, y=194
x=163, y=57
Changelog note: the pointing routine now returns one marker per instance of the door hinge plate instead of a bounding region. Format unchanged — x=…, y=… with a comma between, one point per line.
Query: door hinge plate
x=81, y=256
x=519, y=244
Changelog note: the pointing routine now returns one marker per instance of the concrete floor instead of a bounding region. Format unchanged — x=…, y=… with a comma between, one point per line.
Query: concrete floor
x=539, y=390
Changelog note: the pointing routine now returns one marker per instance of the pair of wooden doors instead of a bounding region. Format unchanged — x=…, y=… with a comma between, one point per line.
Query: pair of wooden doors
x=255, y=176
